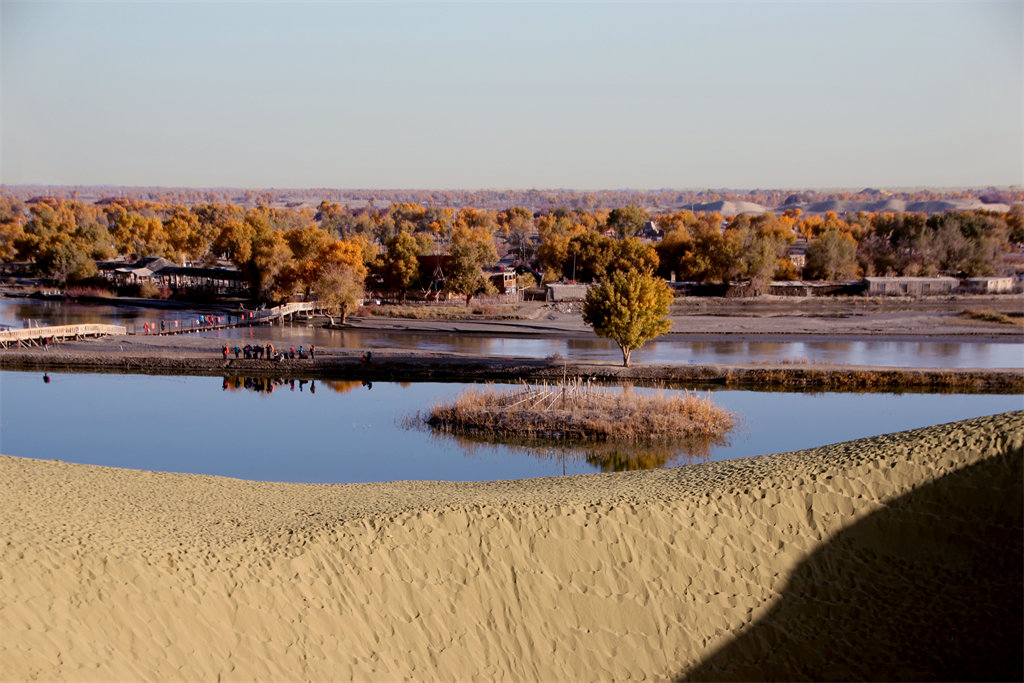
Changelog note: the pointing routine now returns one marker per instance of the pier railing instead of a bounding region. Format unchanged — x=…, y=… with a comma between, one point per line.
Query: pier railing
x=35, y=336
x=205, y=323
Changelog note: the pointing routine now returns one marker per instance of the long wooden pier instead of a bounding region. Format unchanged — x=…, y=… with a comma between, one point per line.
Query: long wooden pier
x=35, y=336
x=205, y=323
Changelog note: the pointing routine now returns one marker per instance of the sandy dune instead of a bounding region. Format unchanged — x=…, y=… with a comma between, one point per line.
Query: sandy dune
x=852, y=206
x=729, y=208
x=892, y=557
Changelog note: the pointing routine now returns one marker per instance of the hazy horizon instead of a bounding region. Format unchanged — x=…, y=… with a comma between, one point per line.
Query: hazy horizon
x=698, y=188
x=513, y=96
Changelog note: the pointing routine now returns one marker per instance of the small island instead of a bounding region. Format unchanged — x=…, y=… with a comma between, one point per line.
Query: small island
x=578, y=410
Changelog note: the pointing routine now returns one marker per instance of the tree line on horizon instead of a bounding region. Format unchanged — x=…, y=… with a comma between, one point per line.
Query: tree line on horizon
x=338, y=248
x=658, y=201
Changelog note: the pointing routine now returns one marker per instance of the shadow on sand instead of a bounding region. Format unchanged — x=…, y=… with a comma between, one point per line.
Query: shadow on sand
x=929, y=588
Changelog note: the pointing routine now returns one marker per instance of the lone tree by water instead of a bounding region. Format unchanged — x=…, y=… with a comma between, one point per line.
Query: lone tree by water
x=339, y=289
x=630, y=308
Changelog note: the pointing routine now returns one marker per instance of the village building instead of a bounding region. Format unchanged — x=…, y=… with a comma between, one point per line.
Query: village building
x=164, y=273
x=505, y=280
x=815, y=288
x=911, y=286
x=797, y=255
x=989, y=285
x=651, y=231
x=561, y=291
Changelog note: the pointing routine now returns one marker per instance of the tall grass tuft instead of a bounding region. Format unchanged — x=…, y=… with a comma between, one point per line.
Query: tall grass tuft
x=84, y=291
x=576, y=410
x=991, y=317
x=439, y=311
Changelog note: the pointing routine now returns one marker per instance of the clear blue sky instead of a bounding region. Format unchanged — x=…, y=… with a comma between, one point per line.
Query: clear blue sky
x=513, y=95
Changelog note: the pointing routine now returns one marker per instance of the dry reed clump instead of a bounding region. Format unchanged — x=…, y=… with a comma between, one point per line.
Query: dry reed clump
x=84, y=291
x=991, y=316
x=579, y=411
x=438, y=311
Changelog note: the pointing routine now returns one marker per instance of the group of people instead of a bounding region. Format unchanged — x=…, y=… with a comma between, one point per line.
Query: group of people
x=268, y=352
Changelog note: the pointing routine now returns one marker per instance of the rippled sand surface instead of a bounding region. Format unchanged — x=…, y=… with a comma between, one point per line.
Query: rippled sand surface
x=893, y=557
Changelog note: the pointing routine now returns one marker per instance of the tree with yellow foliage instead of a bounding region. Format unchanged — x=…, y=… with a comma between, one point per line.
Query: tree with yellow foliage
x=630, y=308
x=400, y=264
x=339, y=289
x=833, y=256
x=340, y=283
x=471, y=251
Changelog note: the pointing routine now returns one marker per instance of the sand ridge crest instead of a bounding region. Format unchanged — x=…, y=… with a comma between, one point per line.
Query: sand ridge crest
x=123, y=574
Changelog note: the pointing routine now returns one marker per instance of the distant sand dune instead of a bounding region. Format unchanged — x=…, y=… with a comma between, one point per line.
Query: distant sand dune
x=891, y=557
x=841, y=206
x=730, y=208
x=849, y=206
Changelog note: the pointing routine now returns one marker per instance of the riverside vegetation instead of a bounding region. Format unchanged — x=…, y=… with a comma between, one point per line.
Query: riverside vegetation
x=993, y=317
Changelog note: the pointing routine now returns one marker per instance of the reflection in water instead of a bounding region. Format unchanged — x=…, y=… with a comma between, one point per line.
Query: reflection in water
x=18, y=313
x=267, y=385
x=607, y=456
x=342, y=387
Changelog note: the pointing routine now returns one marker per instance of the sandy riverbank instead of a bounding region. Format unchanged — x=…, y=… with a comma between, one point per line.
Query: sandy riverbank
x=895, y=557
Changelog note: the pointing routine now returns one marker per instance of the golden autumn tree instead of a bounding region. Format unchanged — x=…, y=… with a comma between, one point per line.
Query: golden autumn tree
x=309, y=245
x=707, y=254
x=681, y=220
x=630, y=308
x=833, y=256
x=184, y=236
x=471, y=250
x=234, y=241
x=556, y=231
x=517, y=225
x=633, y=253
x=340, y=282
x=676, y=243
x=140, y=235
x=12, y=236
x=12, y=229
x=400, y=266
x=627, y=221
x=270, y=266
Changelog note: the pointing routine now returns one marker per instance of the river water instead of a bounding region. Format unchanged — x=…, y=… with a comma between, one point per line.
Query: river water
x=337, y=432
x=881, y=352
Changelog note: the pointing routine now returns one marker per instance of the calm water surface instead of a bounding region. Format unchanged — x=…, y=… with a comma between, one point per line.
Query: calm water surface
x=15, y=312
x=349, y=432
x=924, y=354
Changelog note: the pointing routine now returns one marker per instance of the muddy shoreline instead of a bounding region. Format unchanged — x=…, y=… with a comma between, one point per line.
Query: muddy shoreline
x=397, y=366
x=767, y=319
